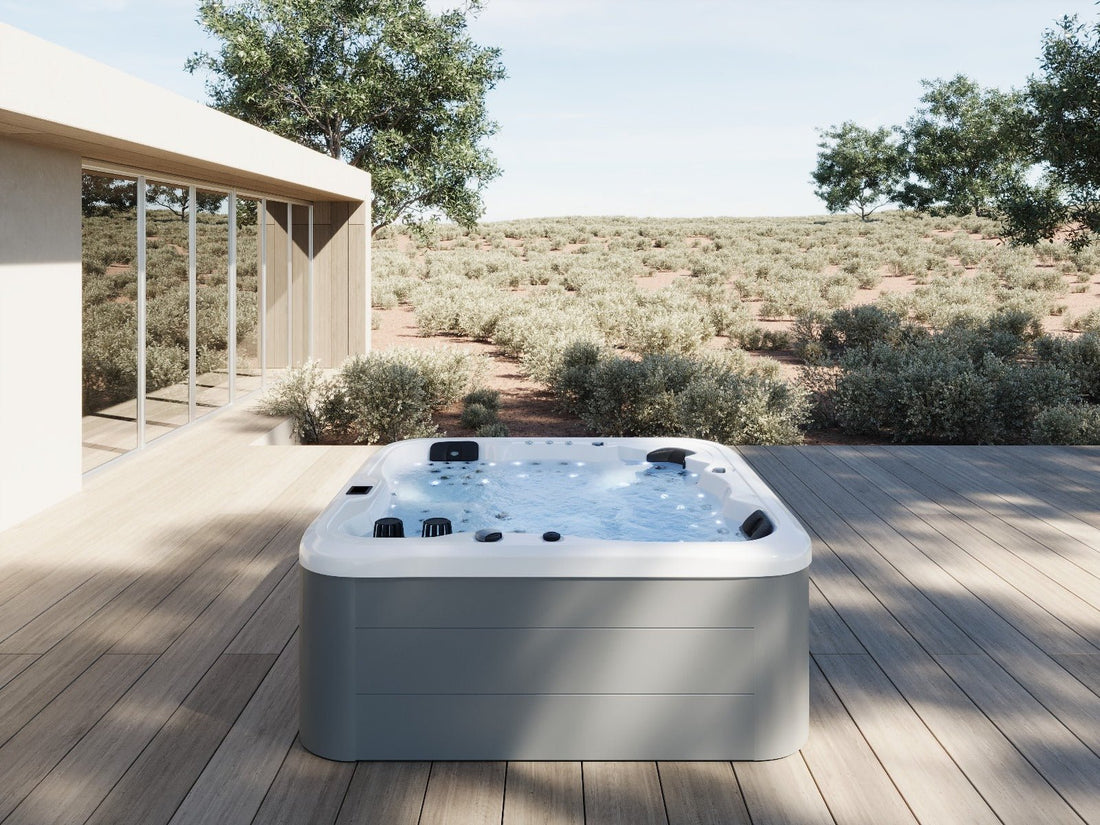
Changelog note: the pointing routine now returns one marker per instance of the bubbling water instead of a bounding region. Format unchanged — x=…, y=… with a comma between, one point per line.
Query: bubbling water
x=637, y=501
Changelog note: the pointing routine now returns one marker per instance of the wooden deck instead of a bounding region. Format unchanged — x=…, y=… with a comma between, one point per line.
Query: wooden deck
x=148, y=653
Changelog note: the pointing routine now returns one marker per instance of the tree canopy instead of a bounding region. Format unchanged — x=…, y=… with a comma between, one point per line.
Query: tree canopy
x=1065, y=124
x=962, y=147
x=857, y=169
x=385, y=85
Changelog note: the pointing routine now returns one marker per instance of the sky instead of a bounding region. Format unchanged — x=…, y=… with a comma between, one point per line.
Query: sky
x=652, y=107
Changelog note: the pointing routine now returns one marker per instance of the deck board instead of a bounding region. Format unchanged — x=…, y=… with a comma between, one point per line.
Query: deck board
x=390, y=792
x=543, y=793
x=158, y=780
x=844, y=766
x=623, y=793
x=702, y=793
x=467, y=792
x=252, y=752
x=148, y=664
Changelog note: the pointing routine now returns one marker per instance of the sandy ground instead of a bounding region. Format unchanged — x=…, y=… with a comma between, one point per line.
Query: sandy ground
x=525, y=407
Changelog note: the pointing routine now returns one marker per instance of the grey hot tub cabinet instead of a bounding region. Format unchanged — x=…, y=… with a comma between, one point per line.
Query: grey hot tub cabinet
x=554, y=669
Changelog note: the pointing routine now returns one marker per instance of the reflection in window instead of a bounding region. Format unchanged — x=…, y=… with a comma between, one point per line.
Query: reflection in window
x=248, y=297
x=109, y=271
x=196, y=359
x=211, y=300
x=167, y=338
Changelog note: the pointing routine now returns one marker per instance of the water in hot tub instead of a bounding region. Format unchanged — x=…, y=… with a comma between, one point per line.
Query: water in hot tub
x=637, y=501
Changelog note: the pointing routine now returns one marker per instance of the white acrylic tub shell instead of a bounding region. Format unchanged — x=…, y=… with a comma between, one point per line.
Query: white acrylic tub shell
x=330, y=547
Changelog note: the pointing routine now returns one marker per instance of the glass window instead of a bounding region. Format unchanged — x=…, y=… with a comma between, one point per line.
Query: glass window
x=211, y=300
x=248, y=296
x=167, y=325
x=109, y=271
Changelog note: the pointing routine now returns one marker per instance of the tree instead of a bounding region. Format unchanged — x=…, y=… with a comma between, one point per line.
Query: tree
x=1065, y=118
x=177, y=201
x=100, y=193
x=963, y=146
x=857, y=169
x=385, y=85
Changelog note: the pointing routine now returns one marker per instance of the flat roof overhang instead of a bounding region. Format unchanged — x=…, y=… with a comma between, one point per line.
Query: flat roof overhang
x=50, y=96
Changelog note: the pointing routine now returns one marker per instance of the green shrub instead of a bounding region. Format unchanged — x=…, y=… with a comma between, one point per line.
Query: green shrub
x=376, y=398
x=1077, y=357
x=742, y=409
x=494, y=429
x=717, y=397
x=1067, y=424
x=819, y=383
x=474, y=416
x=860, y=327
x=448, y=374
x=570, y=378
x=304, y=395
x=387, y=400
x=490, y=399
x=629, y=397
x=962, y=386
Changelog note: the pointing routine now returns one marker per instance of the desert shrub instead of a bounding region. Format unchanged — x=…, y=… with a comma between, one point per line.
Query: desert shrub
x=477, y=415
x=757, y=338
x=308, y=398
x=819, y=336
x=494, y=429
x=1067, y=424
x=1077, y=357
x=570, y=375
x=376, y=398
x=629, y=397
x=1086, y=322
x=914, y=396
x=667, y=330
x=727, y=317
x=962, y=386
x=388, y=400
x=490, y=399
x=818, y=381
x=448, y=373
x=716, y=396
x=737, y=408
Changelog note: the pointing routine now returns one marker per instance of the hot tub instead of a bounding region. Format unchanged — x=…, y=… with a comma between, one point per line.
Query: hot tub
x=554, y=599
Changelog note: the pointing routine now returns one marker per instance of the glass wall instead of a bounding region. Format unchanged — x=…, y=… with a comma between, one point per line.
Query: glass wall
x=211, y=300
x=180, y=268
x=248, y=329
x=109, y=270
x=167, y=341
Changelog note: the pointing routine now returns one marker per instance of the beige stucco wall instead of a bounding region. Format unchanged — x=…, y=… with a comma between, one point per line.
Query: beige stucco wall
x=40, y=294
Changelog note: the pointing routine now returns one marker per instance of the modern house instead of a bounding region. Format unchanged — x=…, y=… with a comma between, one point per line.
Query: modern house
x=64, y=116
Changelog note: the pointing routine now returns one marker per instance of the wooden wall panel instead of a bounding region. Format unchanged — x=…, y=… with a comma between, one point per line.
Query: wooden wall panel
x=341, y=283
x=358, y=288
x=323, y=316
x=276, y=302
x=338, y=262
